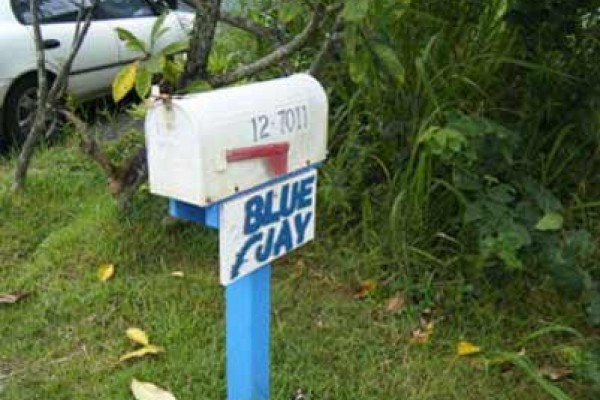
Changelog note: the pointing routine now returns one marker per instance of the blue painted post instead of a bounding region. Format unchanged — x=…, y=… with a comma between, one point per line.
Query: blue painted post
x=248, y=322
x=248, y=319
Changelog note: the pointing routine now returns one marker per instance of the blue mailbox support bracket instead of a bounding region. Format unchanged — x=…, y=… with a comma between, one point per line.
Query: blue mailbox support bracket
x=248, y=316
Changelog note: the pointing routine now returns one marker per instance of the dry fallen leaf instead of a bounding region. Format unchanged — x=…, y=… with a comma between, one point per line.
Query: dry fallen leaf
x=138, y=336
x=365, y=289
x=421, y=335
x=12, y=298
x=556, y=374
x=149, y=391
x=466, y=349
x=178, y=274
x=395, y=304
x=150, y=349
x=105, y=272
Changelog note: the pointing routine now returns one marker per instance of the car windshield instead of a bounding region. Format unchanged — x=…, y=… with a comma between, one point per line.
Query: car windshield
x=50, y=10
x=67, y=10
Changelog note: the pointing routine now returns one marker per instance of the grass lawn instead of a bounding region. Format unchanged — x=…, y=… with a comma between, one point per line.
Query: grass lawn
x=64, y=341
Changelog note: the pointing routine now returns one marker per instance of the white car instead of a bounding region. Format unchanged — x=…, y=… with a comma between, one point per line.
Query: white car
x=101, y=56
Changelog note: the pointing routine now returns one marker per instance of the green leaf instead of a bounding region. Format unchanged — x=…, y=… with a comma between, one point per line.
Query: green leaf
x=593, y=309
x=124, y=81
x=157, y=30
x=131, y=41
x=156, y=63
x=174, y=48
x=358, y=67
x=143, y=82
x=198, y=86
x=550, y=222
x=356, y=10
x=172, y=71
x=390, y=61
x=290, y=10
x=568, y=279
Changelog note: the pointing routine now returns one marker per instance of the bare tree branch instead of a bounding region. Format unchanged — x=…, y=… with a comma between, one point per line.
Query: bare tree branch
x=278, y=55
x=123, y=180
x=90, y=145
x=83, y=25
x=39, y=121
x=47, y=99
x=332, y=38
x=202, y=39
x=246, y=24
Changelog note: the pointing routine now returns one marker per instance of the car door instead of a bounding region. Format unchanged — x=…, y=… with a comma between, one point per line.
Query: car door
x=138, y=17
x=96, y=63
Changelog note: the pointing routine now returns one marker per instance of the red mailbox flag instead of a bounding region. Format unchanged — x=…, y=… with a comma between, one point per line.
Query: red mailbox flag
x=276, y=155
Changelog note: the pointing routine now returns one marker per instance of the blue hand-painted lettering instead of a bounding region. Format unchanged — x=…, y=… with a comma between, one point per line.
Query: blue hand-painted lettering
x=241, y=259
x=301, y=224
x=263, y=252
x=280, y=212
x=284, y=240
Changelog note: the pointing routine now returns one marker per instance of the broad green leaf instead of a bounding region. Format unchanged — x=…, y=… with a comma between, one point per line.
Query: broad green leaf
x=149, y=391
x=143, y=82
x=359, y=66
x=290, y=10
x=593, y=309
x=131, y=41
x=157, y=30
x=550, y=222
x=356, y=10
x=197, y=86
x=156, y=63
x=390, y=61
x=174, y=48
x=137, y=335
x=172, y=71
x=125, y=81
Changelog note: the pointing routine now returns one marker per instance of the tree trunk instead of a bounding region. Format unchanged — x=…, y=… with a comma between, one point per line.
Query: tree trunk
x=40, y=120
x=25, y=156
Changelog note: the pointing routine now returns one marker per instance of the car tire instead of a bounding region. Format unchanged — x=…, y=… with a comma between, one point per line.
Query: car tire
x=19, y=113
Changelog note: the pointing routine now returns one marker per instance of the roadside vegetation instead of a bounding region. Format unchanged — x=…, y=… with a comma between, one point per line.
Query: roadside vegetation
x=457, y=254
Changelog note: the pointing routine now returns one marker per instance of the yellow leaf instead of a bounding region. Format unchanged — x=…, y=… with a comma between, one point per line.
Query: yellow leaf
x=124, y=81
x=467, y=349
x=365, y=289
x=138, y=336
x=178, y=274
x=149, y=391
x=150, y=349
x=105, y=272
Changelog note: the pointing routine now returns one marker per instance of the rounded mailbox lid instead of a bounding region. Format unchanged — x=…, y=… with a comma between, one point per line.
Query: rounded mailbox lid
x=235, y=138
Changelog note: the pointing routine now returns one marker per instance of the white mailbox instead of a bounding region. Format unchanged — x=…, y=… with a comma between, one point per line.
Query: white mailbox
x=206, y=147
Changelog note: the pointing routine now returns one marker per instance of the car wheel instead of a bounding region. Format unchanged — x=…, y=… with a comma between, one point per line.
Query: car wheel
x=19, y=113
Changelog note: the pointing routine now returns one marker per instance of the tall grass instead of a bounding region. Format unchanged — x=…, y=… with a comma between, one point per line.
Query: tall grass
x=460, y=57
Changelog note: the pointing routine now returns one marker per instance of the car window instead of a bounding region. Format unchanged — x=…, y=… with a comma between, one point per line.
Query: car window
x=118, y=9
x=50, y=11
x=183, y=6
